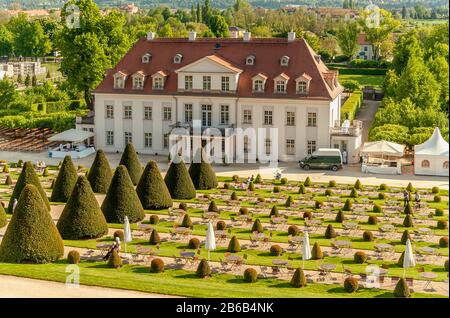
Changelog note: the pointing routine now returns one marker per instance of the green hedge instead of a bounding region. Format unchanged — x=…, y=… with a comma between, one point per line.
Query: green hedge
x=351, y=105
x=58, y=106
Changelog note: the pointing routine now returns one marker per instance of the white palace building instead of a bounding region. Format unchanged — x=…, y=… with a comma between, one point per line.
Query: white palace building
x=162, y=84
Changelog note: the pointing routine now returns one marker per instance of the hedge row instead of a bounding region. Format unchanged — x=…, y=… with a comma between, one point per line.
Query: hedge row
x=352, y=105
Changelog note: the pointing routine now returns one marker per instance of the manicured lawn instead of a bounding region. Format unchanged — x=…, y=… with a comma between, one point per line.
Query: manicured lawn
x=184, y=283
x=364, y=80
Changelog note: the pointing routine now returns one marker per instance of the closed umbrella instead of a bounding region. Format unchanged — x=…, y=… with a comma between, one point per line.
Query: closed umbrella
x=408, y=258
x=210, y=243
x=306, y=249
x=126, y=232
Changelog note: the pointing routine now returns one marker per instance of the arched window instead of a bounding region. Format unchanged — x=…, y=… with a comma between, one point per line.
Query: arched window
x=445, y=165
x=425, y=164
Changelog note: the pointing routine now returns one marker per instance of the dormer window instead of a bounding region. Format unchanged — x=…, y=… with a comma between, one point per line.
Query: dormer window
x=302, y=86
x=158, y=80
x=146, y=58
x=259, y=82
x=280, y=83
x=250, y=60
x=138, y=80
x=119, y=80
x=177, y=58
x=284, y=61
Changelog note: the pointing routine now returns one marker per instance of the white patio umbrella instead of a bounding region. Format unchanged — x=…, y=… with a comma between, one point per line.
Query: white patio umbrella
x=210, y=243
x=408, y=258
x=126, y=232
x=306, y=249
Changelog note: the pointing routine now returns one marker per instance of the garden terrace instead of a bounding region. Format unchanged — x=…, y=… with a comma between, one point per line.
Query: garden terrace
x=25, y=139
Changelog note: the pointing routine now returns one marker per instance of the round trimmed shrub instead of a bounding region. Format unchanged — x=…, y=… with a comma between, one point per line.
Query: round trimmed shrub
x=293, y=230
x=194, y=243
x=250, y=275
x=307, y=182
x=179, y=182
x=439, y=212
x=213, y=207
x=328, y=192
x=257, y=226
x=154, y=219
x=382, y=196
x=157, y=265
x=358, y=185
x=442, y=224
x=435, y=190
x=82, y=217
x=332, y=184
x=298, y=279
x=8, y=180
x=187, y=222
x=276, y=250
x=353, y=193
x=383, y=187
x=408, y=221
x=235, y=178
x=274, y=211
x=329, y=232
x=348, y=205
x=234, y=196
x=302, y=189
x=373, y=220
x=114, y=260
x=307, y=215
x=401, y=289
x=340, y=217
x=131, y=161
x=234, y=246
x=368, y=236
x=351, y=284
x=408, y=209
x=410, y=187
x=119, y=234
x=437, y=198
x=276, y=189
x=359, y=257
x=183, y=206
x=283, y=180
x=443, y=241
x=316, y=252
x=100, y=174
x=251, y=186
x=377, y=208
x=154, y=238
x=202, y=174
x=318, y=204
x=152, y=190
x=203, y=269
x=221, y=225
x=405, y=237
x=20, y=163
x=243, y=211
x=73, y=257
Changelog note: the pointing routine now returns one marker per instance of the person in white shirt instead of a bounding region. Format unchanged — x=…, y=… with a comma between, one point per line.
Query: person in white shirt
x=344, y=157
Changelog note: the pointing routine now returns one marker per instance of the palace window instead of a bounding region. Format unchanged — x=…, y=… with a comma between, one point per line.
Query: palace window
x=311, y=146
x=206, y=83
x=425, y=164
x=148, y=112
x=225, y=83
x=247, y=116
x=110, y=138
x=127, y=112
x=224, y=114
x=280, y=86
x=268, y=117
x=290, y=118
x=188, y=82
x=187, y=113
x=148, y=141
x=128, y=137
x=290, y=146
x=312, y=119
x=167, y=113
x=109, y=111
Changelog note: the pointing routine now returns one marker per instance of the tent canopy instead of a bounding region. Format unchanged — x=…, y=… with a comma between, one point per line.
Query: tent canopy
x=72, y=135
x=435, y=145
x=383, y=147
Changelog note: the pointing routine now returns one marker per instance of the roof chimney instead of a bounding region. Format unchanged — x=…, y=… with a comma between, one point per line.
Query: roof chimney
x=192, y=35
x=151, y=36
x=318, y=58
x=291, y=36
x=247, y=36
x=234, y=34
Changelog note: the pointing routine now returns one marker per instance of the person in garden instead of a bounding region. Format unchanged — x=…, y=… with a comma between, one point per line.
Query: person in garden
x=115, y=246
x=417, y=199
x=405, y=197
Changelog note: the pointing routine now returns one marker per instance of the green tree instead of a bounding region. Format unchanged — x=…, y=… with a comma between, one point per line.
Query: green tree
x=165, y=31
x=31, y=235
x=65, y=181
x=6, y=41
x=82, y=217
x=151, y=189
x=199, y=13
x=100, y=174
x=131, y=161
x=27, y=80
x=219, y=26
x=33, y=80
x=179, y=182
x=29, y=36
x=8, y=93
x=408, y=45
x=206, y=12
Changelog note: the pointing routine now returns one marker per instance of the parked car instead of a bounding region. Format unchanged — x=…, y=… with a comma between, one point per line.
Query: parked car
x=323, y=158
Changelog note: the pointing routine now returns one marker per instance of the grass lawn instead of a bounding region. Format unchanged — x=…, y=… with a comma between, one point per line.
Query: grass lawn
x=184, y=283
x=364, y=80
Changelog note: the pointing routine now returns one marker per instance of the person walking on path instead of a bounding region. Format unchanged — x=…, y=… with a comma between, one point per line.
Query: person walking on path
x=417, y=199
x=405, y=197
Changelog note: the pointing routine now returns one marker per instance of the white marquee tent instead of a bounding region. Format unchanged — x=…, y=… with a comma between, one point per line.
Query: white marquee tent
x=382, y=148
x=431, y=157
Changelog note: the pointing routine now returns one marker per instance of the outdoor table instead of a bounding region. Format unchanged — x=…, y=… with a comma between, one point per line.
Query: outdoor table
x=103, y=248
x=181, y=229
x=327, y=268
x=341, y=244
x=384, y=247
x=278, y=220
x=424, y=230
x=242, y=217
x=233, y=259
x=428, y=250
x=429, y=276
x=259, y=236
x=280, y=262
x=296, y=239
x=211, y=215
x=187, y=254
x=350, y=225
x=376, y=271
x=144, y=227
x=387, y=228
x=219, y=232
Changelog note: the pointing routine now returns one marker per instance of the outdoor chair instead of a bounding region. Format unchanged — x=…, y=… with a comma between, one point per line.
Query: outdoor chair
x=275, y=271
x=263, y=272
x=224, y=265
x=179, y=261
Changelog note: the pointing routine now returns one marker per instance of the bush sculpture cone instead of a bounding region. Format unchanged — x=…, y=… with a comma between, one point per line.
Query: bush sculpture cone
x=130, y=160
x=3, y=219
x=202, y=174
x=179, y=182
x=31, y=235
x=82, y=217
x=152, y=190
x=27, y=176
x=65, y=181
x=122, y=199
x=100, y=174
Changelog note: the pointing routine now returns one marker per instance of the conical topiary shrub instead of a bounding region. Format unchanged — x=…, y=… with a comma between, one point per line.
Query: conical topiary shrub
x=186, y=222
x=234, y=196
x=202, y=174
x=302, y=189
x=298, y=279
x=203, y=269
x=233, y=245
x=340, y=217
x=8, y=180
x=258, y=178
x=213, y=207
x=251, y=186
x=405, y=237
x=289, y=201
x=408, y=209
x=358, y=185
x=27, y=176
x=154, y=238
x=152, y=190
x=353, y=193
x=122, y=200
x=179, y=182
x=316, y=252
x=31, y=235
x=348, y=206
x=3, y=219
x=401, y=289
x=257, y=226
x=65, y=181
x=5, y=169
x=100, y=173
x=410, y=187
x=400, y=259
x=82, y=217
x=330, y=232
x=131, y=161
x=114, y=260
x=274, y=211
x=408, y=221
x=307, y=182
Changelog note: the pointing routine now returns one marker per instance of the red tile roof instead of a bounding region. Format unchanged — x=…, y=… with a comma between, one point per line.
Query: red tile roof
x=233, y=53
x=362, y=39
